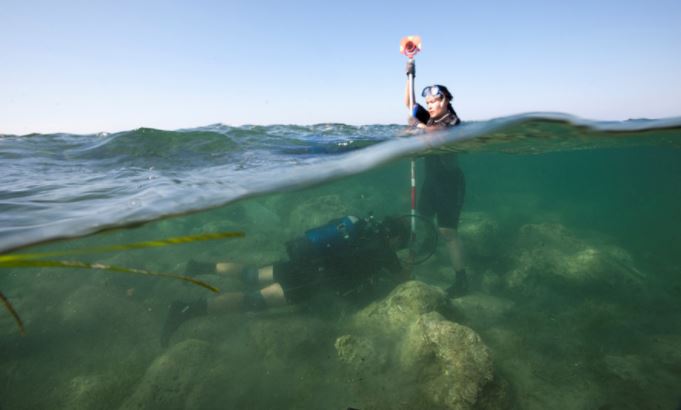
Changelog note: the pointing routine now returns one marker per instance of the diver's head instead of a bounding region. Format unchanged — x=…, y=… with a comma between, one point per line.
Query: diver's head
x=438, y=100
x=396, y=231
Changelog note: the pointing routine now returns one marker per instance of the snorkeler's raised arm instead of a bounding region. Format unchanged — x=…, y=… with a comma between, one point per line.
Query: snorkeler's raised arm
x=406, y=94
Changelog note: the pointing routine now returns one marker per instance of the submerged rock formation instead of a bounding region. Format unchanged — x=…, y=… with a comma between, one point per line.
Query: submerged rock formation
x=397, y=353
x=443, y=364
x=548, y=255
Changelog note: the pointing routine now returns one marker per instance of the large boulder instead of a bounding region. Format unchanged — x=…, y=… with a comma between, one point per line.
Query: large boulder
x=450, y=365
x=402, y=307
x=455, y=363
x=361, y=353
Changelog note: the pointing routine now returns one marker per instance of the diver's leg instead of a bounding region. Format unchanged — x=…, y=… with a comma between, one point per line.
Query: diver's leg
x=229, y=268
x=266, y=275
x=454, y=248
x=453, y=243
x=274, y=295
x=270, y=296
x=249, y=275
x=229, y=302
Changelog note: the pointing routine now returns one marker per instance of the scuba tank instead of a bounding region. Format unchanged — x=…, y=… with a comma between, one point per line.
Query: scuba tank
x=338, y=233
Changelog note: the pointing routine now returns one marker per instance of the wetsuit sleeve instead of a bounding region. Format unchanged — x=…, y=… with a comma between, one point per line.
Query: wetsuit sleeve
x=420, y=113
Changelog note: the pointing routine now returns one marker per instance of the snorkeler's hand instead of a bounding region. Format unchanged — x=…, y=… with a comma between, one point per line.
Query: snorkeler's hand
x=413, y=122
x=411, y=68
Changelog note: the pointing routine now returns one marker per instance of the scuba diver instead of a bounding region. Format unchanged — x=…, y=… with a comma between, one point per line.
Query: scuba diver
x=345, y=256
x=444, y=186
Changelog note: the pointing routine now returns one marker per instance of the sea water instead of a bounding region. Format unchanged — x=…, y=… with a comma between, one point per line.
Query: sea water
x=570, y=230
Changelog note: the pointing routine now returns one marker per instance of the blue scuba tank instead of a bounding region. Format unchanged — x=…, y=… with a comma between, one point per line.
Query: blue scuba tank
x=337, y=234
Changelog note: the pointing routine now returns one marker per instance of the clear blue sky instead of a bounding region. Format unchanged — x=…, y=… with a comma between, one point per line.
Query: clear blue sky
x=89, y=66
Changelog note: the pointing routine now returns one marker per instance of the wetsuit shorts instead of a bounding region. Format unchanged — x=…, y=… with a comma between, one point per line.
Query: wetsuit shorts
x=302, y=274
x=443, y=197
x=299, y=282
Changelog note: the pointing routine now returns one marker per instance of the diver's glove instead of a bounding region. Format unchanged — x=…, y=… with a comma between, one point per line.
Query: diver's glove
x=411, y=68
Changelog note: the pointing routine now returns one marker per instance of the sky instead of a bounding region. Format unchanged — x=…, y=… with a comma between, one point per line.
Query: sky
x=106, y=66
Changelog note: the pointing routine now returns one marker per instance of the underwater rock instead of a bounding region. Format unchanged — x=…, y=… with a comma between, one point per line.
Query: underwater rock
x=550, y=255
x=480, y=233
x=360, y=353
x=172, y=377
x=446, y=365
x=317, y=212
x=454, y=361
x=480, y=309
x=402, y=307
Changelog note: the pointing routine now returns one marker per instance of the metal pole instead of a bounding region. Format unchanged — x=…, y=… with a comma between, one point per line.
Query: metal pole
x=413, y=161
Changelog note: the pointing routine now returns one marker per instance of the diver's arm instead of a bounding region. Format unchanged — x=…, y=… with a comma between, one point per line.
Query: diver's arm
x=406, y=94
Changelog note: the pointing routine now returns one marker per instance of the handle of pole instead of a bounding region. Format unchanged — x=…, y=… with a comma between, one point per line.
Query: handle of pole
x=412, y=96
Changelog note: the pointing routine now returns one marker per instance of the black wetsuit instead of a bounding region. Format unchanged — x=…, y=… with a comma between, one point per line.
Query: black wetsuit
x=347, y=268
x=444, y=185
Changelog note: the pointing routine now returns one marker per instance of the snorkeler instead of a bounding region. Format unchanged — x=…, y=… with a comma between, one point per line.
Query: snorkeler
x=444, y=186
x=344, y=256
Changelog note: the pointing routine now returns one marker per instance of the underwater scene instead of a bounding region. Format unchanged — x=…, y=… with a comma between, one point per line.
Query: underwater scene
x=131, y=266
